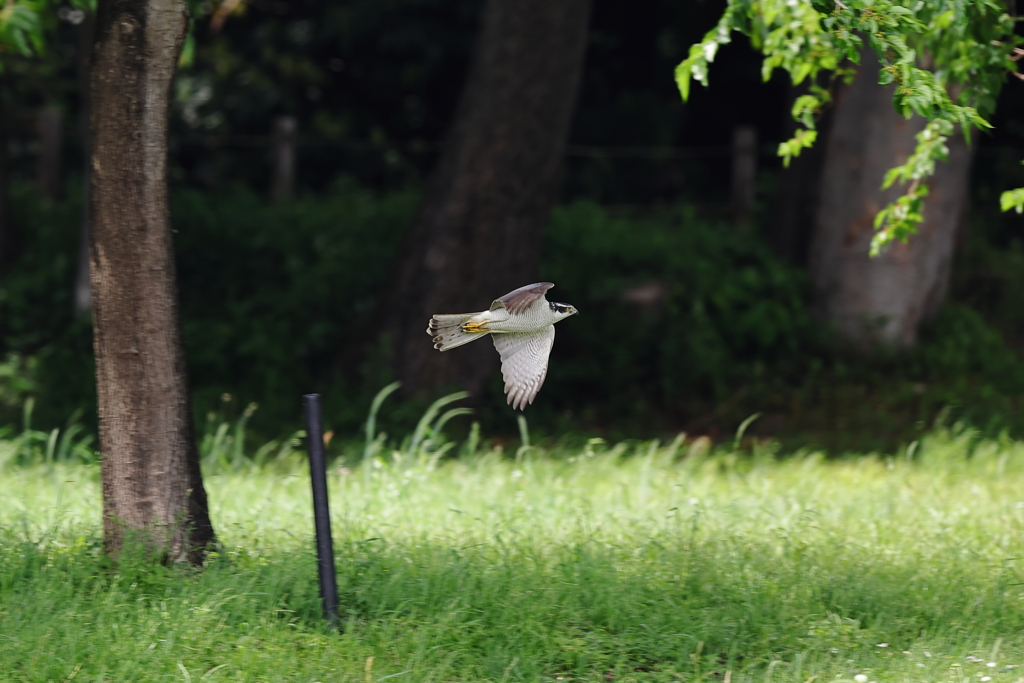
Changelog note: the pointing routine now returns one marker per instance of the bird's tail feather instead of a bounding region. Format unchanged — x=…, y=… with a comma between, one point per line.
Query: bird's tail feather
x=446, y=330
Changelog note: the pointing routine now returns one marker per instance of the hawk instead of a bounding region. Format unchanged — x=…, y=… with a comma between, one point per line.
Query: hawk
x=522, y=326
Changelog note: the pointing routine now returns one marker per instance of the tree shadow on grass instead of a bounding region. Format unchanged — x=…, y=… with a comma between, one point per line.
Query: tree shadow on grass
x=664, y=607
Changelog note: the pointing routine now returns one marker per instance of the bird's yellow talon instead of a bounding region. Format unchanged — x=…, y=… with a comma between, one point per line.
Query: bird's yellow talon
x=474, y=328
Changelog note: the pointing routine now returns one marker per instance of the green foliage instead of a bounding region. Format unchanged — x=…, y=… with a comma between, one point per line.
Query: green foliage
x=674, y=309
x=272, y=297
x=928, y=50
x=30, y=446
x=277, y=300
x=271, y=312
x=17, y=380
x=49, y=352
x=732, y=334
x=646, y=561
x=792, y=147
x=27, y=25
x=960, y=344
x=1012, y=199
x=686, y=323
x=21, y=27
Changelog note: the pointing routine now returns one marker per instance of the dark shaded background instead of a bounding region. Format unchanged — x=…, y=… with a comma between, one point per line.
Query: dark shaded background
x=277, y=300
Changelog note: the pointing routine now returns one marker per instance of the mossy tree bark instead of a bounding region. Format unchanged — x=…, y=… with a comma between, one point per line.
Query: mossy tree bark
x=477, y=234
x=881, y=300
x=152, y=486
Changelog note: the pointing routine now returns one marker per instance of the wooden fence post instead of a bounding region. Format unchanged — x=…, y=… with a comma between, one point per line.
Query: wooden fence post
x=48, y=169
x=283, y=158
x=744, y=173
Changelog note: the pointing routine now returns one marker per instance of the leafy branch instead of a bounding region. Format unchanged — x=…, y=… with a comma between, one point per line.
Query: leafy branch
x=21, y=27
x=25, y=25
x=926, y=50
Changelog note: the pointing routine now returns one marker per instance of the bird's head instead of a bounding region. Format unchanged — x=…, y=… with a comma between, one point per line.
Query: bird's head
x=561, y=311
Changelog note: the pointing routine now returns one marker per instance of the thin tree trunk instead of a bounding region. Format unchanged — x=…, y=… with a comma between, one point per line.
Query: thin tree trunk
x=477, y=234
x=152, y=487
x=82, y=295
x=50, y=146
x=744, y=174
x=282, y=143
x=10, y=242
x=884, y=299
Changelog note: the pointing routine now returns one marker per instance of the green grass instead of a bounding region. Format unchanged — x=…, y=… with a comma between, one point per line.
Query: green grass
x=638, y=562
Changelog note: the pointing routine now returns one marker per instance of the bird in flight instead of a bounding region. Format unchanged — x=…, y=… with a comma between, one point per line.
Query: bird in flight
x=522, y=326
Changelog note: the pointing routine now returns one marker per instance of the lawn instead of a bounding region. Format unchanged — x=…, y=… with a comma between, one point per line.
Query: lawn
x=630, y=562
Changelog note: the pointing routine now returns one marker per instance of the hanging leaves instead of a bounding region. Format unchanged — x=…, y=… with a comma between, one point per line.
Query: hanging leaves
x=927, y=50
x=24, y=25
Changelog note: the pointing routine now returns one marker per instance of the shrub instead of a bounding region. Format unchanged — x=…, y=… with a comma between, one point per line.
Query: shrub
x=687, y=324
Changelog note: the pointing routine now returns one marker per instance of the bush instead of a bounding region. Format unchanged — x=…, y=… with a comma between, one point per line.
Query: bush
x=273, y=298
x=676, y=311
x=276, y=300
x=687, y=324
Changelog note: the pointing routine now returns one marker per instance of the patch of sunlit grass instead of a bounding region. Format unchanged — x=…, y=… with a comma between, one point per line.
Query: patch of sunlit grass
x=643, y=561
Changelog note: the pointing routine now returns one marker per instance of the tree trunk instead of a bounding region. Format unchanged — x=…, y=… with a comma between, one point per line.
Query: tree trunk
x=50, y=147
x=282, y=146
x=10, y=243
x=477, y=234
x=152, y=486
x=744, y=174
x=82, y=295
x=884, y=299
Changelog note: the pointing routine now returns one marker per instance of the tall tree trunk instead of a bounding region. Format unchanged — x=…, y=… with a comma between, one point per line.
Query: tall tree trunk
x=152, y=486
x=744, y=174
x=10, y=242
x=82, y=294
x=884, y=299
x=282, y=146
x=51, y=128
x=477, y=234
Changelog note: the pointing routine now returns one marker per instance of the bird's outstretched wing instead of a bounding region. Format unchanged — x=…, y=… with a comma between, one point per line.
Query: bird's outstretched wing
x=524, y=363
x=518, y=300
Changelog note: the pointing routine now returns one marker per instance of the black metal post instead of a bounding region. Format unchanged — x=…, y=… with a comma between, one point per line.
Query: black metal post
x=321, y=513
